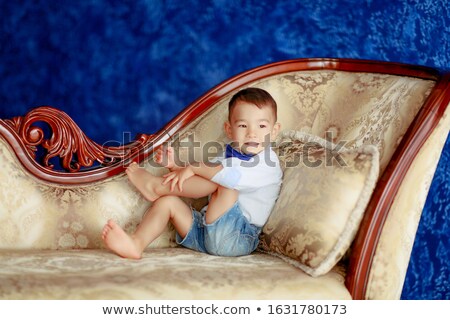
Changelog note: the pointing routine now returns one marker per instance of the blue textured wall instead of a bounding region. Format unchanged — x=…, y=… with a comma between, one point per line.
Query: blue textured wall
x=131, y=67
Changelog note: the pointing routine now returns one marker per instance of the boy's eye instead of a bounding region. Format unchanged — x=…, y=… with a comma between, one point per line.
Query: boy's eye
x=262, y=126
x=242, y=126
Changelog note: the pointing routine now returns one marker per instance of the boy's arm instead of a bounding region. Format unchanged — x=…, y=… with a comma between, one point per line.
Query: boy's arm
x=204, y=170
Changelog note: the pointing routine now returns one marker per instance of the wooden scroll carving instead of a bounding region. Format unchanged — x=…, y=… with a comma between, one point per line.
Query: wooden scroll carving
x=67, y=141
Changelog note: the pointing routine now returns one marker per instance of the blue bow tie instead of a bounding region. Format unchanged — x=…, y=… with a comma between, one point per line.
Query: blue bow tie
x=231, y=152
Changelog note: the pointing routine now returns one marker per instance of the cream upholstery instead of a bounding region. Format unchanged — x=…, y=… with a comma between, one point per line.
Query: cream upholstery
x=392, y=256
x=357, y=108
x=175, y=273
x=39, y=215
x=354, y=107
x=313, y=231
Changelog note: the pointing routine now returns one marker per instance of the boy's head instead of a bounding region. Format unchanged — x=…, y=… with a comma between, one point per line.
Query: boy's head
x=259, y=97
x=252, y=120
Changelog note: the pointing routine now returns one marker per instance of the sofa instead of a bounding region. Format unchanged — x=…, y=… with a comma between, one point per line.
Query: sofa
x=359, y=145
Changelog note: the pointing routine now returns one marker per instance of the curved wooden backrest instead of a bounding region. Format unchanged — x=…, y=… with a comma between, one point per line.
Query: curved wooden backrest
x=388, y=185
x=78, y=153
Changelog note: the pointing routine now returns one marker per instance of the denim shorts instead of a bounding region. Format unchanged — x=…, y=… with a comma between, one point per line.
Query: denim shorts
x=231, y=235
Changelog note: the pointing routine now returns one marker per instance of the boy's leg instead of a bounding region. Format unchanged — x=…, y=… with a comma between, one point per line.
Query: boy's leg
x=155, y=220
x=221, y=200
x=152, y=188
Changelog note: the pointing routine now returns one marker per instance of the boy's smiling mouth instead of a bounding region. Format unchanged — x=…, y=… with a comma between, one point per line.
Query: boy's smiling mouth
x=251, y=144
x=247, y=146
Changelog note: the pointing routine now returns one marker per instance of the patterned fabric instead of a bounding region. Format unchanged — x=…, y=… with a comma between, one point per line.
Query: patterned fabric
x=355, y=108
x=395, y=244
x=175, y=273
x=323, y=197
x=35, y=214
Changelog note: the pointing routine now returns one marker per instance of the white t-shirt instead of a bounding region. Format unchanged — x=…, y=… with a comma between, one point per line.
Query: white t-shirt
x=257, y=180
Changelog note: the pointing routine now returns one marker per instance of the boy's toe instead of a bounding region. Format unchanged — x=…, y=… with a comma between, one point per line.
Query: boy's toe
x=112, y=224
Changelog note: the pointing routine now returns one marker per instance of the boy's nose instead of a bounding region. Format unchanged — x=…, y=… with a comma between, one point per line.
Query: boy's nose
x=251, y=133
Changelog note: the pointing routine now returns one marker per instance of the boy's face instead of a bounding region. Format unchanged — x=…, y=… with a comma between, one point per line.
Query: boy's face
x=251, y=128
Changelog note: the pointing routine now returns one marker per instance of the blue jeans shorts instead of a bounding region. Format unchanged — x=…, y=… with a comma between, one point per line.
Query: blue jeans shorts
x=231, y=235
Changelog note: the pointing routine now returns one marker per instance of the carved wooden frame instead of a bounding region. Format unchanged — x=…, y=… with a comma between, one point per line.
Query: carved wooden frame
x=78, y=153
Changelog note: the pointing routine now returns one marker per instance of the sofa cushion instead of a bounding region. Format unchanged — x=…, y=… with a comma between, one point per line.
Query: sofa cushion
x=325, y=191
x=164, y=273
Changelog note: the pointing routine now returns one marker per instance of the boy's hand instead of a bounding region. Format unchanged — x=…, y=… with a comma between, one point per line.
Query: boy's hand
x=165, y=156
x=178, y=177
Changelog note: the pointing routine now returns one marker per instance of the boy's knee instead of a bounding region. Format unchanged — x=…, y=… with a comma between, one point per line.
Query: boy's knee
x=166, y=200
x=222, y=191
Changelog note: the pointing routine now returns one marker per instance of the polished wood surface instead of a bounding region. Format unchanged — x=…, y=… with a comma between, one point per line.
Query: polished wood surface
x=80, y=160
x=78, y=153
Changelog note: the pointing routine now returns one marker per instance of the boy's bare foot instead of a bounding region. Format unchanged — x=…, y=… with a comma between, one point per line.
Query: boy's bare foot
x=143, y=180
x=165, y=156
x=119, y=242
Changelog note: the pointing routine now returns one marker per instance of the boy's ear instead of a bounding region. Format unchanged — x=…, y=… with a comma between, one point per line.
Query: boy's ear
x=276, y=129
x=227, y=128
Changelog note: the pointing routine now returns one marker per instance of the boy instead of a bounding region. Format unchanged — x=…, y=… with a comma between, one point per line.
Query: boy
x=243, y=187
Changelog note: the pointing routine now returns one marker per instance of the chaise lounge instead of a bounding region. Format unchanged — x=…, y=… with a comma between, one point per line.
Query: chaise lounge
x=360, y=144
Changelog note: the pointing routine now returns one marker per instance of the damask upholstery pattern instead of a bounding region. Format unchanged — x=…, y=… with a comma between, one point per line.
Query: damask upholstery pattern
x=39, y=215
x=317, y=102
x=170, y=273
x=393, y=253
x=323, y=197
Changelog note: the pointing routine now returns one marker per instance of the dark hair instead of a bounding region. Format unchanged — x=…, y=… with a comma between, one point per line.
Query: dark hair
x=259, y=97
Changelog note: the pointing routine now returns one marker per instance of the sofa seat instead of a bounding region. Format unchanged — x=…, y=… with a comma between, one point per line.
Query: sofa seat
x=166, y=273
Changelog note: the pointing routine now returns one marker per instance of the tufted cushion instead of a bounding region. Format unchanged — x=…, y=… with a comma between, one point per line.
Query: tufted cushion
x=325, y=191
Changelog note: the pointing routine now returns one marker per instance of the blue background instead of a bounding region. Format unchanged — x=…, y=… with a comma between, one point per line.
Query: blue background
x=131, y=66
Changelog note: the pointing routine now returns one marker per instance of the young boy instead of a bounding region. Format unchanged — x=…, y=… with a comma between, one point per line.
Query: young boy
x=243, y=187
